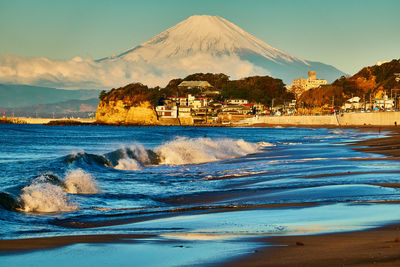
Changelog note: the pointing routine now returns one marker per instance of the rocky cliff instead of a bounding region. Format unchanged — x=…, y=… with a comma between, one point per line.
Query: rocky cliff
x=120, y=112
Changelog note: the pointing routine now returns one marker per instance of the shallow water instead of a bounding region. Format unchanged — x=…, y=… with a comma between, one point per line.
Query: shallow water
x=205, y=187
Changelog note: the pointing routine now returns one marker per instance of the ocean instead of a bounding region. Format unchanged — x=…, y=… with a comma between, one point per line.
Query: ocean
x=189, y=195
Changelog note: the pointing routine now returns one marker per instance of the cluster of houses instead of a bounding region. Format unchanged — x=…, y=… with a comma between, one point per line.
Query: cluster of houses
x=379, y=103
x=192, y=109
x=203, y=108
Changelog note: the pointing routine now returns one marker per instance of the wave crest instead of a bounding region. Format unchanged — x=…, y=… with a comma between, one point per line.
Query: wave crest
x=180, y=151
x=183, y=150
x=48, y=193
x=80, y=182
x=45, y=197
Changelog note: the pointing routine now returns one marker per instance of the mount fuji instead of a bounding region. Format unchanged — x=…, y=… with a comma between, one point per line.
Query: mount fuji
x=218, y=41
x=200, y=43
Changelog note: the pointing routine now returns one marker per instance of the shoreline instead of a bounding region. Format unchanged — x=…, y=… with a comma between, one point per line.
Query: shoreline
x=378, y=246
x=352, y=120
x=359, y=248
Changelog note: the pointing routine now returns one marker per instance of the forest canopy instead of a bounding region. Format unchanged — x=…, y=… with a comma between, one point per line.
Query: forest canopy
x=257, y=89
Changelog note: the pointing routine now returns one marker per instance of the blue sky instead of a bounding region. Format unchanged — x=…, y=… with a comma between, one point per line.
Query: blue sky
x=347, y=34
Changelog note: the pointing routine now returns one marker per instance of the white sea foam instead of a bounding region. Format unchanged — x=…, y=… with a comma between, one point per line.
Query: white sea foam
x=265, y=144
x=183, y=150
x=337, y=132
x=80, y=182
x=140, y=158
x=45, y=197
x=128, y=164
x=290, y=143
x=140, y=154
x=199, y=236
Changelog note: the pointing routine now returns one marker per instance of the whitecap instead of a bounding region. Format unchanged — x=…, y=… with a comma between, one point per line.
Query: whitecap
x=80, y=182
x=183, y=150
x=45, y=197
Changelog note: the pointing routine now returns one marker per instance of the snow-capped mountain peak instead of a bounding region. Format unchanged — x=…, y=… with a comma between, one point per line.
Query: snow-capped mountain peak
x=197, y=44
x=203, y=34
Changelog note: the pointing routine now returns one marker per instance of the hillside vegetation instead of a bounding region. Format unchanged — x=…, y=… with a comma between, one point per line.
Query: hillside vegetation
x=368, y=82
x=260, y=89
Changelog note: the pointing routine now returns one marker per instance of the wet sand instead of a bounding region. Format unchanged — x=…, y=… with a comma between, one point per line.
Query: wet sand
x=14, y=245
x=377, y=247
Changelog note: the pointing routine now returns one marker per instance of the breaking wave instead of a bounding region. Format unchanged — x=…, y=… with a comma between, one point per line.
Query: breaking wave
x=80, y=182
x=132, y=158
x=183, y=150
x=45, y=197
x=128, y=165
x=49, y=193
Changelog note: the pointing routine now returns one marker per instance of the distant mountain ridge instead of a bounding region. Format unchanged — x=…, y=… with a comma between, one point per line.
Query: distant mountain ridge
x=15, y=95
x=75, y=108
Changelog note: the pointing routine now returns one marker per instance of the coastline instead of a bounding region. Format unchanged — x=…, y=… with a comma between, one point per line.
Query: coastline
x=377, y=246
x=345, y=120
x=380, y=244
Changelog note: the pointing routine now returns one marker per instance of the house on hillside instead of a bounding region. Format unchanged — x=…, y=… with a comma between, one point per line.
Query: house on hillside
x=184, y=112
x=202, y=85
x=237, y=109
x=237, y=101
x=299, y=86
x=168, y=112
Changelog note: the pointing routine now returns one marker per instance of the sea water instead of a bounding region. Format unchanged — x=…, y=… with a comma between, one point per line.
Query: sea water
x=204, y=188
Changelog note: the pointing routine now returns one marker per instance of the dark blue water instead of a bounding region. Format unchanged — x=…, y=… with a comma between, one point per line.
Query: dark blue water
x=184, y=183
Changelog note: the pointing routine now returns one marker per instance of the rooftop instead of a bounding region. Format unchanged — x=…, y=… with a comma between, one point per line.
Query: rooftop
x=203, y=84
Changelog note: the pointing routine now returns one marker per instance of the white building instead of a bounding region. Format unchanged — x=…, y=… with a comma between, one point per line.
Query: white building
x=384, y=103
x=170, y=112
x=237, y=101
x=184, y=112
x=202, y=85
x=196, y=103
x=299, y=86
x=352, y=103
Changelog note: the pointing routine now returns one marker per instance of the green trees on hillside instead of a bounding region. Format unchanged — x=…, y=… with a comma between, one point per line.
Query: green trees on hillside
x=259, y=89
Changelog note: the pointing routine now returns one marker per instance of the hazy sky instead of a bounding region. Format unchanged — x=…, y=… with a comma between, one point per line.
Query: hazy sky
x=348, y=34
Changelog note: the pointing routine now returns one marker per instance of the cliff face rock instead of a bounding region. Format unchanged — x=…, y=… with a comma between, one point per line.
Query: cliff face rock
x=119, y=112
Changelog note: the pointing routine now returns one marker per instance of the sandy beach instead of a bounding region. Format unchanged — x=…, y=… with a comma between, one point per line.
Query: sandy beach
x=375, y=247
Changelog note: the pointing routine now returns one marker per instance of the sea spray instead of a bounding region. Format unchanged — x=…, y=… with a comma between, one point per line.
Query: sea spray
x=133, y=158
x=51, y=178
x=48, y=193
x=183, y=150
x=80, y=182
x=45, y=197
x=128, y=164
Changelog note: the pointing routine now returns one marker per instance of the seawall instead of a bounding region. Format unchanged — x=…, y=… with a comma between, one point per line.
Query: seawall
x=357, y=119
